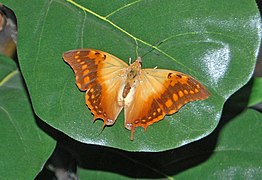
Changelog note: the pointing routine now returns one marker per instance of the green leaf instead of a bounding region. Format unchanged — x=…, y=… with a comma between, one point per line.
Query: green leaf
x=238, y=154
x=256, y=93
x=24, y=148
x=209, y=40
x=232, y=152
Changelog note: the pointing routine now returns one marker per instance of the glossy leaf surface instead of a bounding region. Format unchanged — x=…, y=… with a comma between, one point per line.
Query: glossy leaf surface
x=209, y=40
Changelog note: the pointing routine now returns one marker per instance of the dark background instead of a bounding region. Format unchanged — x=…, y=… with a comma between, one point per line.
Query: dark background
x=69, y=153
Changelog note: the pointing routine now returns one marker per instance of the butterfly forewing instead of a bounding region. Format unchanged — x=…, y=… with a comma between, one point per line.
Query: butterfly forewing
x=101, y=75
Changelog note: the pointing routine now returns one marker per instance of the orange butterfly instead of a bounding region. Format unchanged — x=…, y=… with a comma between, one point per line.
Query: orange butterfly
x=147, y=95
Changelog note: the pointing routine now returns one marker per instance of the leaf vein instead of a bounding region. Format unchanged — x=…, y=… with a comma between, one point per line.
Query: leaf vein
x=123, y=7
x=126, y=32
x=17, y=128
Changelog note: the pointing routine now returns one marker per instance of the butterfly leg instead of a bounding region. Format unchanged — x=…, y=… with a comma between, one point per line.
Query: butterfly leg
x=132, y=133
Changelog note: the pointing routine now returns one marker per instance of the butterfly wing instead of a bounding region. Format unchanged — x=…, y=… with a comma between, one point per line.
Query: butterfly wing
x=158, y=93
x=101, y=75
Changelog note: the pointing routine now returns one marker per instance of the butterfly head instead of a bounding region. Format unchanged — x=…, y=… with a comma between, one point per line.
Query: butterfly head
x=139, y=60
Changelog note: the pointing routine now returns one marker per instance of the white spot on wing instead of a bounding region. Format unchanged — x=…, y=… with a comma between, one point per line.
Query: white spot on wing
x=129, y=126
x=109, y=122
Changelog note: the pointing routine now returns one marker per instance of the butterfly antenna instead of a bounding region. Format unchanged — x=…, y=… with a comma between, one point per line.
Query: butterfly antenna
x=153, y=48
x=136, y=48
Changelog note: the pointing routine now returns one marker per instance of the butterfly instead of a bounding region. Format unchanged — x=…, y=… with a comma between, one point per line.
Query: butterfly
x=146, y=95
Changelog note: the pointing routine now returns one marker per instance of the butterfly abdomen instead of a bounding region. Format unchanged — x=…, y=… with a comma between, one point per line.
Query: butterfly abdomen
x=126, y=90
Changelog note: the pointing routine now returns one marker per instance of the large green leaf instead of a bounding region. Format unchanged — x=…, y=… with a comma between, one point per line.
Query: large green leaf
x=237, y=155
x=210, y=40
x=24, y=148
x=256, y=93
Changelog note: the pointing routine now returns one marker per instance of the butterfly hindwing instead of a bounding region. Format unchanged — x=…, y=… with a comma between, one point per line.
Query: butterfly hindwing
x=101, y=75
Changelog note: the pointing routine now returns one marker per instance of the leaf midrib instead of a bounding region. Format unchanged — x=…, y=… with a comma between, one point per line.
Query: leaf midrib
x=136, y=39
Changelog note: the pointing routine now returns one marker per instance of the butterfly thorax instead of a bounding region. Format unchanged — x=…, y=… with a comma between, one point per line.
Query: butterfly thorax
x=132, y=78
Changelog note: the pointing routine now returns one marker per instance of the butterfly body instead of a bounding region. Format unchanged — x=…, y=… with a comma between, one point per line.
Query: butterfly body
x=132, y=77
x=146, y=95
